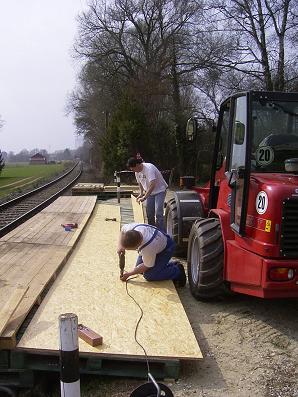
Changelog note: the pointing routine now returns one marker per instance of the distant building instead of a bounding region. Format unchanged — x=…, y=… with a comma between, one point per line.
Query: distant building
x=38, y=158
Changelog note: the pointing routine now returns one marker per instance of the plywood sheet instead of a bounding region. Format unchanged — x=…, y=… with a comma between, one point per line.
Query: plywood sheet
x=89, y=286
x=31, y=255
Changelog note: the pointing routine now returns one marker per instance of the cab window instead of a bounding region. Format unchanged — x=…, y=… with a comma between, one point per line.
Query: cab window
x=238, y=149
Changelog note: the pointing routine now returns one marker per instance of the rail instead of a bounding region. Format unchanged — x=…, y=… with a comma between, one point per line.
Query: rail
x=16, y=211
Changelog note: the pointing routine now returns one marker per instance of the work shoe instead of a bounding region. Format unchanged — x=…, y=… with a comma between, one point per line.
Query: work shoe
x=181, y=281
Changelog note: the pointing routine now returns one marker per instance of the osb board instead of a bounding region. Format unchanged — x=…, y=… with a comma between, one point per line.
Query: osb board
x=138, y=210
x=89, y=286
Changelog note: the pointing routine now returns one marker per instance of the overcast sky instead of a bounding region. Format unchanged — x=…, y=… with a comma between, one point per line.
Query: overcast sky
x=37, y=73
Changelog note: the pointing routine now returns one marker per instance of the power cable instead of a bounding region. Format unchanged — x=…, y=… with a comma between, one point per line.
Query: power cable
x=137, y=325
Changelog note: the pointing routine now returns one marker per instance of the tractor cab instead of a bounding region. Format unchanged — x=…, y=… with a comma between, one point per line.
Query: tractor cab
x=257, y=134
x=241, y=228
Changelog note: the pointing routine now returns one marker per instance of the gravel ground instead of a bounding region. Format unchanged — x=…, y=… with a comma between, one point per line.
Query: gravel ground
x=250, y=349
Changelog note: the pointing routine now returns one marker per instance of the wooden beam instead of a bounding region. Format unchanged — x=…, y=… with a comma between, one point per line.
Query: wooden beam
x=10, y=306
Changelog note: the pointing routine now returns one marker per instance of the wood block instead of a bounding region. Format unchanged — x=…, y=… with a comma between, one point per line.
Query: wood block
x=89, y=336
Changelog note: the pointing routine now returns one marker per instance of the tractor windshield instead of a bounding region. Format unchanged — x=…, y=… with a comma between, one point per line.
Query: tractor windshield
x=275, y=134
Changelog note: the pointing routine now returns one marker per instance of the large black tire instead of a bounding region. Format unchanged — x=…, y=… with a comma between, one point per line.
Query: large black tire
x=205, y=259
x=171, y=223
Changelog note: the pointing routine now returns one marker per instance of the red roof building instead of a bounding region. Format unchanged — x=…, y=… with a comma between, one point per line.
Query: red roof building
x=38, y=158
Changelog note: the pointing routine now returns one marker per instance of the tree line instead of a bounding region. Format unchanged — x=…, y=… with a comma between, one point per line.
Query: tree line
x=148, y=65
x=59, y=155
x=2, y=157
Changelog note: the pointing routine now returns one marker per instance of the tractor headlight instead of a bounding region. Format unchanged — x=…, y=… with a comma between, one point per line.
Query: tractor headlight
x=281, y=274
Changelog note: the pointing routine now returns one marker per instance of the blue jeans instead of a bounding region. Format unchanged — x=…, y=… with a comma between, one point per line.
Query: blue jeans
x=154, y=209
x=163, y=269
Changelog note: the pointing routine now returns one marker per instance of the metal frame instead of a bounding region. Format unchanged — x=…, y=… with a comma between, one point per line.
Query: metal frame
x=240, y=229
x=18, y=368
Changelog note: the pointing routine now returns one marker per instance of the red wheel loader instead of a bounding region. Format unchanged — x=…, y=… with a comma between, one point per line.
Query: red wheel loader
x=241, y=228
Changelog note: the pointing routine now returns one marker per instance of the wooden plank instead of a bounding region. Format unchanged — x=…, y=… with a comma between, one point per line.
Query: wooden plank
x=70, y=204
x=21, y=263
x=57, y=257
x=89, y=286
x=85, y=187
x=48, y=229
x=30, y=256
x=138, y=210
x=125, y=188
x=10, y=306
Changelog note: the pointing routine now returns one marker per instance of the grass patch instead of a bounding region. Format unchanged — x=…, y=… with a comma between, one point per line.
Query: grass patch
x=16, y=177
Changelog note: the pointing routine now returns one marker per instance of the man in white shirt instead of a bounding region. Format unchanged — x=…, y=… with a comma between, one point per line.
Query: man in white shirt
x=155, y=250
x=152, y=189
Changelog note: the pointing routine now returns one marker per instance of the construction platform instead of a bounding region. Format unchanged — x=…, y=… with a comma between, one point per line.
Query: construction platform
x=89, y=286
x=103, y=191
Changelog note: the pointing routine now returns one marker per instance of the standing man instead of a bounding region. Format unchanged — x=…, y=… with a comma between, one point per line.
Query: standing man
x=155, y=249
x=152, y=188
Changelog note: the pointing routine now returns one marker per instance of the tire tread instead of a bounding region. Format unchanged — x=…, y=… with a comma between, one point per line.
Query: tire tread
x=211, y=256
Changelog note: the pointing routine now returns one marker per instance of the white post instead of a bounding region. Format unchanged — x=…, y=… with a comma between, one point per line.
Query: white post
x=69, y=355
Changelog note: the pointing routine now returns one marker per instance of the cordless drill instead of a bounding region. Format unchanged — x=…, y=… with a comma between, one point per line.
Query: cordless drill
x=122, y=263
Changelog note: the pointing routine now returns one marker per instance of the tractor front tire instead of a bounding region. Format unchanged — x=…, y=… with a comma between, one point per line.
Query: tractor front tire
x=205, y=259
x=171, y=221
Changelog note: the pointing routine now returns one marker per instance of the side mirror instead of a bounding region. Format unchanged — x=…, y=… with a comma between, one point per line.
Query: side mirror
x=191, y=129
x=239, y=133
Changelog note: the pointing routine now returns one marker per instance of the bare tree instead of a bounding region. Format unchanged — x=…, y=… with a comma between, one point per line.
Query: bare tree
x=136, y=46
x=171, y=57
x=264, y=29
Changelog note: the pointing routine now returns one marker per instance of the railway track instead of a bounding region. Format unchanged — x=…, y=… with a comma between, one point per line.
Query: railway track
x=16, y=211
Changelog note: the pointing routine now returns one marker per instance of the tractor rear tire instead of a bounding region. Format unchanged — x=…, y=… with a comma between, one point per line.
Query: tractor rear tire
x=171, y=223
x=205, y=259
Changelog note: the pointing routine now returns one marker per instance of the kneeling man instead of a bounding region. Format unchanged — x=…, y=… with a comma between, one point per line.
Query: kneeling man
x=155, y=250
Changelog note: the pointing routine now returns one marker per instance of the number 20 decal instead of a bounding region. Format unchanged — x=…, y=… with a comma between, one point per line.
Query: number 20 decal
x=261, y=202
x=265, y=155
